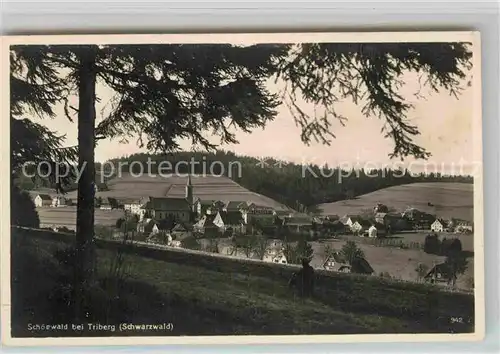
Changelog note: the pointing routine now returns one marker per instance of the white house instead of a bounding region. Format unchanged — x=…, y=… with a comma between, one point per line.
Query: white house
x=148, y=227
x=438, y=225
x=359, y=225
x=42, y=200
x=372, y=231
x=58, y=201
x=176, y=243
x=275, y=258
x=135, y=206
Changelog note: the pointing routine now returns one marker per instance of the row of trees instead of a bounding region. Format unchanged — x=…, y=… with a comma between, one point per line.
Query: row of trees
x=164, y=93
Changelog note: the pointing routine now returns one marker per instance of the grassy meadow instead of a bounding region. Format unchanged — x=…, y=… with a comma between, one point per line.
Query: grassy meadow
x=204, y=295
x=449, y=200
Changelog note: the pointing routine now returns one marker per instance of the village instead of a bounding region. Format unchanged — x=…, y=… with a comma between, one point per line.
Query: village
x=228, y=227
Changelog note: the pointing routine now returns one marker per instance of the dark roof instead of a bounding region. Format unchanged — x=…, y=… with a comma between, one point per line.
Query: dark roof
x=263, y=219
x=438, y=268
x=361, y=221
x=332, y=217
x=127, y=200
x=442, y=221
x=231, y=217
x=206, y=221
x=234, y=205
x=361, y=265
x=282, y=212
x=337, y=257
x=298, y=220
x=169, y=204
x=179, y=227
x=45, y=196
x=148, y=225
x=206, y=202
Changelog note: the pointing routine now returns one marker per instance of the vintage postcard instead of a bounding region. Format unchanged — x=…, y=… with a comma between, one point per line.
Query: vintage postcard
x=242, y=188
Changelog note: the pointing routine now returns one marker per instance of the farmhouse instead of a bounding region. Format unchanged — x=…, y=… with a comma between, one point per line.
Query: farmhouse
x=226, y=220
x=148, y=227
x=277, y=258
x=439, y=225
x=359, y=225
x=275, y=252
x=464, y=227
x=133, y=205
x=105, y=204
x=282, y=214
x=179, y=230
x=380, y=208
x=233, y=206
x=347, y=220
x=42, y=200
x=336, y=262
x=58, y=201
x=438, y=274
x=299, y=223
x=372, y=231
x=206, y=226
x=202, y=207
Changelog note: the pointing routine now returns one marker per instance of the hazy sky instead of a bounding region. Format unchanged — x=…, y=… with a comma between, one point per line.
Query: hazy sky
x=444, y=122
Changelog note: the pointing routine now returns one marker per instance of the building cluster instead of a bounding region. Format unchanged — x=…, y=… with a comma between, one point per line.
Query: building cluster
x=204, y=217
x=46, y=200
x=381, y=222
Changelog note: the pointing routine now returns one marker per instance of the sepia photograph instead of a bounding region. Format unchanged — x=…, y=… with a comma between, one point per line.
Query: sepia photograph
x=301, y=187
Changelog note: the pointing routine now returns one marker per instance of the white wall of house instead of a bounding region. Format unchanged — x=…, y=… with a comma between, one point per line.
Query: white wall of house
x=437, y=226
x=356, y=227
x=372, y=231
x=134, y=208
x=38, y=201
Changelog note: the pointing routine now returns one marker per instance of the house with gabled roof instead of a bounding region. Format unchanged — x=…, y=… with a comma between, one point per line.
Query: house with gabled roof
x=203, y=207
x=58, y=201
x=299, y=223
x=42, y=200
x=439, y=225
x=105, y=204
x=336, y=263
x=348, y=219
x=360, y=225
x=206, y=226
x=226, y=220
x=148, y=227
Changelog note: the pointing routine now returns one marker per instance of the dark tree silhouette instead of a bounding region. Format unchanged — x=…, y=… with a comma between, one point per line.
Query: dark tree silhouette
x=23, y=211
x=169, y=92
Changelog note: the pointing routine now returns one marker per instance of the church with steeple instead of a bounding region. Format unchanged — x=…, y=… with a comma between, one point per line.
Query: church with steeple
x=179, y=209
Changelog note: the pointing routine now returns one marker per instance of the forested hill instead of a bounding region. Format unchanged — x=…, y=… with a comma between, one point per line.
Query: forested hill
x=295, y=185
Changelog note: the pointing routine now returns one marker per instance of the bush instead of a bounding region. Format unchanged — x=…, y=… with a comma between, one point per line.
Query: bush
x=432, y=244
x=191, y=243
x=23, y=211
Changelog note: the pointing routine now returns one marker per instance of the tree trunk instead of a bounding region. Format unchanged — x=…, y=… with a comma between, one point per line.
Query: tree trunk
x=85, y=207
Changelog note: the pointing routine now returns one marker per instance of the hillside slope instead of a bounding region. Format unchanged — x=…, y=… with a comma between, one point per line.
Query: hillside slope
x=448, y=200
x=205, y=187
x=204, y=295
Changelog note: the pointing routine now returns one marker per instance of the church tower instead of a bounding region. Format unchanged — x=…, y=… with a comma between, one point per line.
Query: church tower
x=189, y=192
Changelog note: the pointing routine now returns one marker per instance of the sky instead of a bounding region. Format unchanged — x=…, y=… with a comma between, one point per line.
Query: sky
x=444, y=121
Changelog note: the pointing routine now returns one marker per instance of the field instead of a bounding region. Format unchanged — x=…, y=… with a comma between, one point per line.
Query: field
x=399, y=263
x=204, y=187
x=127, y=186
x=66, y=216
x=448, y=200
x=204, y=295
